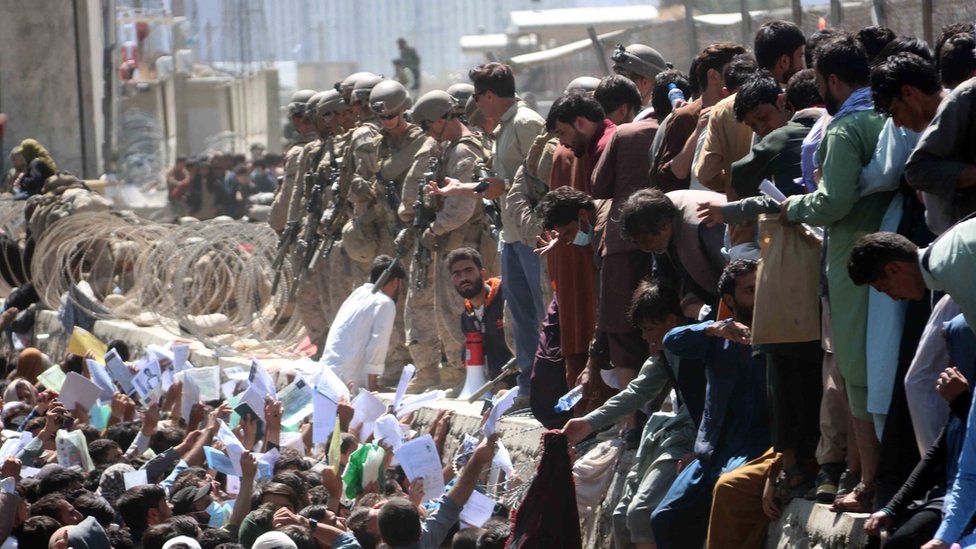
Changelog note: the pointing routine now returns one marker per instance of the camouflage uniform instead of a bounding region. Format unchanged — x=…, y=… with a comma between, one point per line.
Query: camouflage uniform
x=370, y=232
x=280, y=208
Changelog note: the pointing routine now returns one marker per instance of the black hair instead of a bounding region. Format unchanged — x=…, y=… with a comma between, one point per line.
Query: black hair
x=844, y=57
x=693, y=83
x=290, y=459
x=715, y=56
x=802, y=92
x=494, y=77
x=562, y=205
x=295, y=481
x=495, y=535
x=957, y=60
x=873, y=251
x=300, y=535
x=739, y=69
x=180, y=159
x=760, y=89
x=74, y=363
x=466, y=538
x=36, y=531
x=817, y=39
x=93, y=505
x=461, y=254
x=646, y=211
x=775, y=39
x=399, y=522
x=59, y=480
x=653, y=302
x=122, y=433
x=119, y=537
x=241, y=170
x=280, y=489
x=659, y=95
x=165, y=438
x=905, y=44
x=48, y=506
x=948, y=31
x=317, y=512
x=571, y=105
x=380, y=263
x=358, y=524
x=615, y=90
x=733, y=272
x=874, y=39
x=902, y=69
x=98, y=450
x=158, y=534
x=135, y=503
x=210, y=538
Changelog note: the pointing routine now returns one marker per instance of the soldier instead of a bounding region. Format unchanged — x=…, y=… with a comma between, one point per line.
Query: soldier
x=459, y=221
x=302, y=122
x=641, y=64
x=319, y=159
x=461, y=92
x=376, y=188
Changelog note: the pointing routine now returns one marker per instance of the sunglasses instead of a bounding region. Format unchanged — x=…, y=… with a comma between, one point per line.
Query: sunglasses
x=388, y=116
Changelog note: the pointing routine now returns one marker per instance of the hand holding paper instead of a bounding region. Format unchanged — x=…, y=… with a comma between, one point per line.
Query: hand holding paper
x=420, y=460
x=501, y=405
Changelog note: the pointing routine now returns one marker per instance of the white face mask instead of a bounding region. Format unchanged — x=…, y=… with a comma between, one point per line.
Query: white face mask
x=583, y=238
x=218, y=514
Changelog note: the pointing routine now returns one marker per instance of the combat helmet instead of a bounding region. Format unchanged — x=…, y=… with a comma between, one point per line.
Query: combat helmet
x=388, y=99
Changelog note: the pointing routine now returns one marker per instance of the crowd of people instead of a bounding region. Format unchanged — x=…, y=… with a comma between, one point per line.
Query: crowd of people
x=756, y=275
x=221, y=184
x=755, y=268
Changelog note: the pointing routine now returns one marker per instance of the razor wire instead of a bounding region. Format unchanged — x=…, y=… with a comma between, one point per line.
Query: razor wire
x=209, y=279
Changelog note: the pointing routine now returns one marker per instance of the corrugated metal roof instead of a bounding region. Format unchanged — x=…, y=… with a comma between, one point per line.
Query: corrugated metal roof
x=524, y=21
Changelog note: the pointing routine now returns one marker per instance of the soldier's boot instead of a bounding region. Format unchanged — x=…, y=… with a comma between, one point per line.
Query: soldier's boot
x=423, y=380
x=452, y=380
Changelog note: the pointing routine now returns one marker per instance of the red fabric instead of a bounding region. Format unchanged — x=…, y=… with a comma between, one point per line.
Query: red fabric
x=548, y=516
x=572, y=268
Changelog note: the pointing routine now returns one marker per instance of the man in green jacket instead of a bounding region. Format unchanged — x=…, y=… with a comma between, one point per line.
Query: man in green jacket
x=843, y=74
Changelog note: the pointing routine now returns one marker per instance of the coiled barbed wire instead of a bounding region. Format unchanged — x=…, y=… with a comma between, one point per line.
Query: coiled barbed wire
x=208, y=279
x=14, y=268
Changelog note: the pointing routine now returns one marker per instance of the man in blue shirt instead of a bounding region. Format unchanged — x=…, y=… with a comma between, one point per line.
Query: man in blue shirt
x=734, y=427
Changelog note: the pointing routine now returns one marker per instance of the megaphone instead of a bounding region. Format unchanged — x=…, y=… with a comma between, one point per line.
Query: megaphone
x=474, y=364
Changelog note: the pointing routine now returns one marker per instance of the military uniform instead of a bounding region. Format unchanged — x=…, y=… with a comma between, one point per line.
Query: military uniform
x=460, y=222
x=280, y=209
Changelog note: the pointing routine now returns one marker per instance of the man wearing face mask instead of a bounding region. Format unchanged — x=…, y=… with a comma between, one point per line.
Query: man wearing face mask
x=459, y=221
x=569, y=216
x=581, y=125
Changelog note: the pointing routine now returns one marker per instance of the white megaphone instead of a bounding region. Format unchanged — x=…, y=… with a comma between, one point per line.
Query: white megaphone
x=474, y=365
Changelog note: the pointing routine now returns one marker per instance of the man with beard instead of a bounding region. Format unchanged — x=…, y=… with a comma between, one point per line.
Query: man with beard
x=848, y=144
x=580, y=123
x=734, y=427
x=360, y=333
x=484, y=305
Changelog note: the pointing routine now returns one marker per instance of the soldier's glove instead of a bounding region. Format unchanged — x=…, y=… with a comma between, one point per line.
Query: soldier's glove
x=429, y=240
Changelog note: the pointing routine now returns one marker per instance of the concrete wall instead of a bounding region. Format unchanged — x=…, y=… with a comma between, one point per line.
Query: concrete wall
x=51, y=82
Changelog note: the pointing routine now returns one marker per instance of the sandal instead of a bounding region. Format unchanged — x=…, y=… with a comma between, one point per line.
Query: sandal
x=860, y=500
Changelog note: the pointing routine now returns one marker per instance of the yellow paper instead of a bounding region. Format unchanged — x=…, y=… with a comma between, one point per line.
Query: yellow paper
x=83, y=341
x=335, y=446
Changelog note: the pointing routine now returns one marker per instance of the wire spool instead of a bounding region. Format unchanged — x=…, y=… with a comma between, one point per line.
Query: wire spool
x=93, y=254
x=14, y=267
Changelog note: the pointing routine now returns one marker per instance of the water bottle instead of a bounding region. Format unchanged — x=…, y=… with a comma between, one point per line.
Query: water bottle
x=675, y=94
x=567, y=401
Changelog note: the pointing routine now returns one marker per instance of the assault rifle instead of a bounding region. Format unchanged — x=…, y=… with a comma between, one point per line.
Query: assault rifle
x=285, y=241
x=493, y=212
x=332, y=219
x=313, y=216
x=423, y=217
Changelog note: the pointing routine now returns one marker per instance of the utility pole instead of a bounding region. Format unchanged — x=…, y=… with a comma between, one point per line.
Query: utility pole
x=797, y=13
x=746, y=21
x=690, y=27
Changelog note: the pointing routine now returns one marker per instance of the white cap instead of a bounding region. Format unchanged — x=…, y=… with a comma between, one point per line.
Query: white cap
x=194, y=544
x=273, y=540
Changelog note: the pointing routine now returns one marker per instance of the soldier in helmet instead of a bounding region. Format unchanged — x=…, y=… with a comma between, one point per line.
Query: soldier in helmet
x=376, y=186
x=461, y=92
x=641, y=64
x=312, y=295
x=583, y=84
x=458, y=221
x=302, y=121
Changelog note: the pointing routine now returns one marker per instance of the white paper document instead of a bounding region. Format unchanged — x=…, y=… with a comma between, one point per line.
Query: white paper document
x=477, y=510
x=101, y=377
x=324, y=415
x=190, y=396
x=387, y=430
x=368, y=409
x=416, y=402
x=135, y=478
x=420, y=460
x=78, y=390
x=408, y=371
x=119, y=371
x=500, y=406
x=181, y=352
x=296, y=402
x=260, y=377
